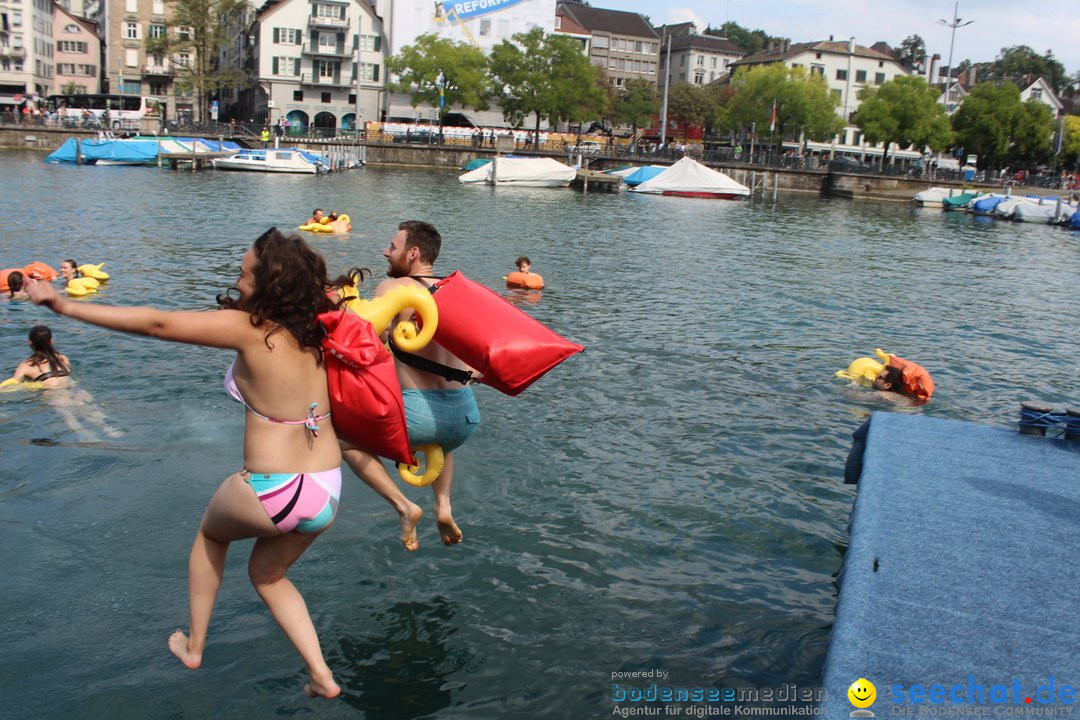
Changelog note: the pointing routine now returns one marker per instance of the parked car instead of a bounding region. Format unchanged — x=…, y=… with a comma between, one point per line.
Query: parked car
x=587, y=147
x=422, y=137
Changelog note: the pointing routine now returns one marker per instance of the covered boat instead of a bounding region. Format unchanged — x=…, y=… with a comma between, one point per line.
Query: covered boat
x=959, y=202
x=1047, y=211
x=477, y=163
x=106, y=152
x=689, y=178
x=934, y=196
x=528, y=172
x=985, y=205
x=641, y=174
x=282, y=160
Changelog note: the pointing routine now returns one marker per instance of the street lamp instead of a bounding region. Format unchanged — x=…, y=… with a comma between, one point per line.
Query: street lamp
x=954, y=24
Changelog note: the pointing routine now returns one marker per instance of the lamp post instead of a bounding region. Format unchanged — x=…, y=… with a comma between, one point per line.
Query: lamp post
x=952, y=42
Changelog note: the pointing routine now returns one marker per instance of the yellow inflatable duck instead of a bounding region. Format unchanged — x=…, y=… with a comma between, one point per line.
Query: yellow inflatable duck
x=862, y=370
x=17, y=384
x=325, y=224
x=77, y=287
x=94, y=271
x=380, y=312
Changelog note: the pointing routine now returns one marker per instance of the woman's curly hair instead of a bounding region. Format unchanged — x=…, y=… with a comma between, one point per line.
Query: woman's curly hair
x=291, y=288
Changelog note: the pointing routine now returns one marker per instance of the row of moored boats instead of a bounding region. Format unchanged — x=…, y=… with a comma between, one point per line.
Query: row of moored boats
x=1022, y=208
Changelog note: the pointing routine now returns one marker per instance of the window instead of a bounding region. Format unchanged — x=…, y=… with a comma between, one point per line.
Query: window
x=183, y=33
x=817, y=70
x=1036, y=94
x=713, y=63
x=73, y=46
x=841, y=74
x=131, y=87
x=288, y=36
x=879, y=78
x=369, y=71
x=131, y=57
x=600, y=41
x=817, y=56
x=485, y=26
x=620, y=64
x=131, y=6
x=326, y=97
x=373, y=43
x=637, y=46
x=183, y=59
x=860, y=76
x=73, y=29
x=326, y=69
x=682, y=61
x=298, y=95
x=131, y=31
x=285, y=66
x=159, y=87
x=954, y=94
x=16, y=18
x=158, y=7
x=701, y=61
x=157, y=31
x=352, y=98
x=647, y=48
x=334, y=12
x=87, y=70
x=837, y=94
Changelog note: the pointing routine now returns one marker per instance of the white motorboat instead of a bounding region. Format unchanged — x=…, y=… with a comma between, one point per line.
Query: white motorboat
x=283, y=160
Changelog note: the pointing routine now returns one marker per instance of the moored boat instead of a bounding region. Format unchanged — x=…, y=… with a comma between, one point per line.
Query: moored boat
x=281, y=160
x=689, y=178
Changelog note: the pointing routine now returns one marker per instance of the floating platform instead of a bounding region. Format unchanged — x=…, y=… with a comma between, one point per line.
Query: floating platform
x=596, y=181
x=959, y=580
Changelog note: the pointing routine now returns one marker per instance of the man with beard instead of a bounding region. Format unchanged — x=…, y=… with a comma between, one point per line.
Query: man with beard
x=439, y=406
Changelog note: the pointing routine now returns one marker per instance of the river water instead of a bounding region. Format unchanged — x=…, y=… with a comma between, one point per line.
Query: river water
x=669, y=500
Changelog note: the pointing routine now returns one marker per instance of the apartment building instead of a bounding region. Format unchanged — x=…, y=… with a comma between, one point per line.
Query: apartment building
x=846, y=66
x=695, y=58
x=319, y=63
x=623, y=43
x=27, y=63
x=78, y=53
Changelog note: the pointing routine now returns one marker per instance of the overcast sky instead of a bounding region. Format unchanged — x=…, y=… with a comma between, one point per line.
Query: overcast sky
x=1040, y=24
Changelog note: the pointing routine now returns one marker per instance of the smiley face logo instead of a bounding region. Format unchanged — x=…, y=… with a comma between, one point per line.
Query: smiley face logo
x=862, y=693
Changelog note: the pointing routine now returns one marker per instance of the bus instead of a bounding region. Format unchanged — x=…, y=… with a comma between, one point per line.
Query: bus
x=105, y=111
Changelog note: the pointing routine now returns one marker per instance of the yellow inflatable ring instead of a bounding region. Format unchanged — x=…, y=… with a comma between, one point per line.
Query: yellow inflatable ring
x=78, y=287
x=94, y=271
x=381, y=311
x=433, y=461
x=16, y=384
x=862, y=370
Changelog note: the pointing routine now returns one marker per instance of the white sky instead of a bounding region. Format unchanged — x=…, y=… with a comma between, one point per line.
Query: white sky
x=1040, y=24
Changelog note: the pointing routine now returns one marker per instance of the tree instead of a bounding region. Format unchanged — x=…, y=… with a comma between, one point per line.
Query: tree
x=993, y=123
x=690, y=104
x=69, y=89
x=441, y=73
x=913, y=50
x=1070, y=146
x=545, y=75
x=749, y=41
x=803, y=102
x=637, y=104
x=1020, y=62
x=903, y=110
x=199, y=30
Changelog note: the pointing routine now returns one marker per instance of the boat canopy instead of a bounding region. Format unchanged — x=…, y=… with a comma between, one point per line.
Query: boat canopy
x=641, y=174
x=690, y=176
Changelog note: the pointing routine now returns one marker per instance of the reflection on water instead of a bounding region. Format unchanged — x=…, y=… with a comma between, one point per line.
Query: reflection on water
x=670, y=498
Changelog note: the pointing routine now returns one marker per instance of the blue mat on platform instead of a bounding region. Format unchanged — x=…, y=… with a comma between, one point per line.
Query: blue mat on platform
x=961, y=575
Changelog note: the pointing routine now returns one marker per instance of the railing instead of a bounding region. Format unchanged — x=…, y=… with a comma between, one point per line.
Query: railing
x=330, y=22
x=158, y=70
x=14, y=52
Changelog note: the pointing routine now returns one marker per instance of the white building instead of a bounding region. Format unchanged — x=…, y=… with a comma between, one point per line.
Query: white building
x=319, y=63
x=846, y=67
x=27, y=65
x=695, y=58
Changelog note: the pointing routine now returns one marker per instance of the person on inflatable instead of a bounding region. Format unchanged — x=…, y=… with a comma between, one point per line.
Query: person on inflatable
x=286, y=493
x=316, y=217
x=16, y=280
x=45, y=366
x=524, y=277
x=342, y=225
x=437, y=410
x=69, y=270
x=904, y=377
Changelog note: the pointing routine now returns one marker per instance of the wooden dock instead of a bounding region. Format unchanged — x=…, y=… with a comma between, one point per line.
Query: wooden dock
x=596, y=181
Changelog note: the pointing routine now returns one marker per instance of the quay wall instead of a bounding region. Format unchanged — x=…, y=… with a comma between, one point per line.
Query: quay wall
x=853, y=186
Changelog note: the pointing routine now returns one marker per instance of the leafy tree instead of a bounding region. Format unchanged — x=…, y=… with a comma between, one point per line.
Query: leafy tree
x=1070, y=146
x=68, y=89
x=749, y=41
x=1002, y=130
x=637, y=105
x=1020, y=61
x=547, y=76
x=200, y=29
x=461, y=69
x=913, y=50
x=690, y=104
x=803, y=102
x=903, y=110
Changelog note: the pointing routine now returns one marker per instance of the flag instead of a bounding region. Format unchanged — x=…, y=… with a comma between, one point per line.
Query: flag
x=772, y=123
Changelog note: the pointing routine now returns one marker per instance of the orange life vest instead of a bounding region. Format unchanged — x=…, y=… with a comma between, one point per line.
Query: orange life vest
x=917, y=381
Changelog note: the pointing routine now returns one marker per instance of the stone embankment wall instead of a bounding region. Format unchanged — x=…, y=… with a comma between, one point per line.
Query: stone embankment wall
x=818, y=182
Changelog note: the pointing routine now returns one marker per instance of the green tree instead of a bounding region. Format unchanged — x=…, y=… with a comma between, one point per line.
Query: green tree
x=545, y=76
x=68, y=88
x=435, y=68
x=803, y=102
x=913, y=50
x=749, y=41
x=993, y=123
x=904, y=110
x=200, y=30
x=1020, y=62
x=1070, y=146
x=637, y=105
x=690, y=104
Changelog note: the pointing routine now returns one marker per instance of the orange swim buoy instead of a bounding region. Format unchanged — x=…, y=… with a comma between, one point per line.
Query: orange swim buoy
x=40, y=271
x=4, y=276
x=531, y=281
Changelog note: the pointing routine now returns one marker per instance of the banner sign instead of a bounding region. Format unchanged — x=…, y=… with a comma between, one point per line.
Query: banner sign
x=466, y=9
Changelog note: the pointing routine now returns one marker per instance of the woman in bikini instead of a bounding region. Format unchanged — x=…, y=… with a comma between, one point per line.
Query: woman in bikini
x=45, y=366
x=287, y=492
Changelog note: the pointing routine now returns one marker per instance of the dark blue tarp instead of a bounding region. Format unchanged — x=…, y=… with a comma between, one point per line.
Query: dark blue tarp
x=961, y=571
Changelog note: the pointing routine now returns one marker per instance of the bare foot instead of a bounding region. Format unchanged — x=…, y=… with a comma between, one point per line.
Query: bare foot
x=409, y=519
x=178, y=644
x=325, y=687
x=448, y=530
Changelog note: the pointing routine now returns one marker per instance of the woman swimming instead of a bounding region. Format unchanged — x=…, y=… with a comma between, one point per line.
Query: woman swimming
x=286, y=493
x=45, y=366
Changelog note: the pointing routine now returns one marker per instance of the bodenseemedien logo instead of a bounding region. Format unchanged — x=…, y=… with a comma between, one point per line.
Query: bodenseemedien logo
x=862, y=694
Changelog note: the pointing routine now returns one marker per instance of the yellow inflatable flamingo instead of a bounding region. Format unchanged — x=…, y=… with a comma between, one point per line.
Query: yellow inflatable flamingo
x=380, y=312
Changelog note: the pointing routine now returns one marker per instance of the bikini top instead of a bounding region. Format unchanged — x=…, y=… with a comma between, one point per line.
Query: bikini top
x=51, y=373
x=311, y=422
